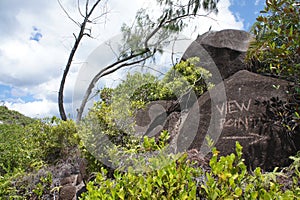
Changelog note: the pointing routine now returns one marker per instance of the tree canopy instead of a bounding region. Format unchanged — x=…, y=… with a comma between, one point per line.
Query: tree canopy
x=277, y=39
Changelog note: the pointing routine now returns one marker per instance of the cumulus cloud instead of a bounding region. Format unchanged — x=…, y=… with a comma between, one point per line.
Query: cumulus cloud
x=225, y=19
x=10, y=10
x=35, y=109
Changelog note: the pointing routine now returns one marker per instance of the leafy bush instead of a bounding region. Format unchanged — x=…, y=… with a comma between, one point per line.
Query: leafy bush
x=227, y=178
x=114, y=115
x=24, y=150
x=13, y=151
x=184, y=76
x=51, y=138
x=164, y=177
x=277, y=43
x=138, y=87
x=172, y=182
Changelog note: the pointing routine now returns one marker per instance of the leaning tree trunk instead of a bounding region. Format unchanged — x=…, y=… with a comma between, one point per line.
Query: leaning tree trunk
x=66, y=71
x=82, y=26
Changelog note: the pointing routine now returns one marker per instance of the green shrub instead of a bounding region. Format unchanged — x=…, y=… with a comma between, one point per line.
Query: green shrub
x=277, y=39
x=50, y=138
x=13, y=151
x=114, y=114
x=174, y=181
x=137, y=87
x=183, y=76
x=25, y=150
x=227, y=178
x=164, y=177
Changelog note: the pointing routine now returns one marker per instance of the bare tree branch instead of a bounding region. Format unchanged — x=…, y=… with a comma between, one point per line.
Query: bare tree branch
x=100, y=16
x=79, y=10
x=109, y=70
x=120, y=63
x=86, y=7
x=78, y=38
x=171, y=21
x=62, y=7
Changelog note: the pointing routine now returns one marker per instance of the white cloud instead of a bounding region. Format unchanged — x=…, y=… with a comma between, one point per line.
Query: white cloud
x=35, y=67
x=225, y=19
x=29, y=62
x=18, y=92
x=36, y=109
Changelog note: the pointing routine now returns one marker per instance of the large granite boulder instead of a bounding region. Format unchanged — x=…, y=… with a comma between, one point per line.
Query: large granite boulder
x=228, y=112
x=221, y=52
x=226, y=117
x=240, y=119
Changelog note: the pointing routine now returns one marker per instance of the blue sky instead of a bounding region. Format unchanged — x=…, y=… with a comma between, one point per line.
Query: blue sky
x=36, y=34
x=247, y=10
x=36, y=38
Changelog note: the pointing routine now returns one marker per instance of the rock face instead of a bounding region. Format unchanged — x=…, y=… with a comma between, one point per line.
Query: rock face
x=239, y=119
x=224, y=49
x=67, y=192
x=152, y=119
x=71, y=184
x=235, y=117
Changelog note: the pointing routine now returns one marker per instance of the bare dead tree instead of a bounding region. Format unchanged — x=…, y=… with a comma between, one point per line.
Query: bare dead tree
x=170, y=22
x=84, y=31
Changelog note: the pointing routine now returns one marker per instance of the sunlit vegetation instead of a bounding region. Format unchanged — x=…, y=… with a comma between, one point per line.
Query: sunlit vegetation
x=29, y=146
x=25, y=149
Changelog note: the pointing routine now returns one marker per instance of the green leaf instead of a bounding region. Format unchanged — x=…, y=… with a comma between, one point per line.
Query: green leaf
x=238, y=192
x=121, y=193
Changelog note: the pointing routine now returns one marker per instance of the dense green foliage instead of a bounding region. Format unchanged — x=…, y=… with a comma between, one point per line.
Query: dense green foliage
x=277, y=39
x=146, y=170
x=164, y=176
x=114, y=114
x=25, y=149
x=172, y=182
x=184, y=76
x=34, y=144
x=13, y=117
x=227, y=178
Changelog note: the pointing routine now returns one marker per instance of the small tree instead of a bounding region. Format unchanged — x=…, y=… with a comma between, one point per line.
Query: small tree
x=142, y=40
x=147, y=36
x=83, y=31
